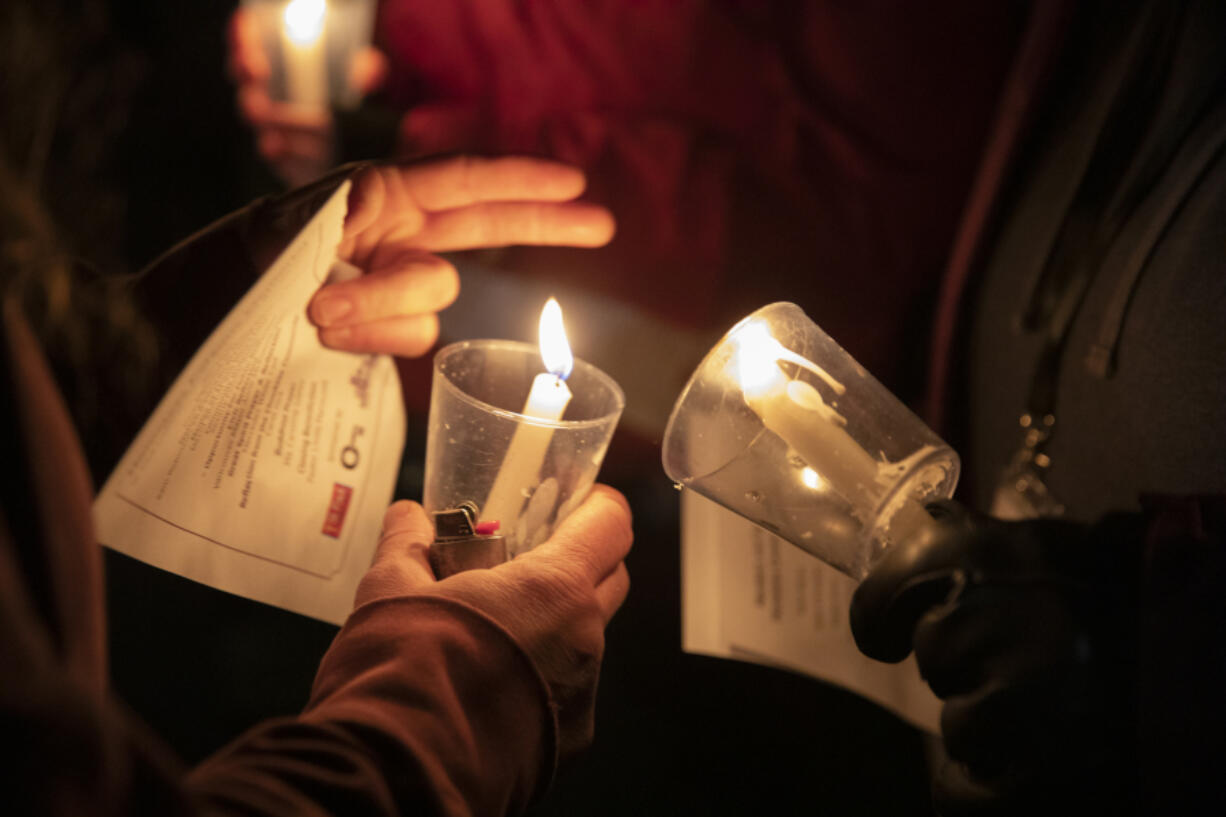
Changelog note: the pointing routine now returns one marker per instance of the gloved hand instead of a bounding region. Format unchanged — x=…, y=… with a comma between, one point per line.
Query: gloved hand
x=1026, y=631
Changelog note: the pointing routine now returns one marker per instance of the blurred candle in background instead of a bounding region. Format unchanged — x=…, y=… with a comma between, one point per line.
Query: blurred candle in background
x=304, y=49
x=312, y=47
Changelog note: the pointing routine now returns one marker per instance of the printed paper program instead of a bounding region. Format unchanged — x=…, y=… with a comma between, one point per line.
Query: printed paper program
x=266, y=468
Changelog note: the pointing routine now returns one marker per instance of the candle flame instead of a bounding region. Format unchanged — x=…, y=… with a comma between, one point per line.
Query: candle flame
x=757, y=359
x=555, y=349
x=304, y=20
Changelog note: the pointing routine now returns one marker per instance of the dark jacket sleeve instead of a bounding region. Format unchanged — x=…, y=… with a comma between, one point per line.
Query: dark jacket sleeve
x=1181, y=655
x=421, y=706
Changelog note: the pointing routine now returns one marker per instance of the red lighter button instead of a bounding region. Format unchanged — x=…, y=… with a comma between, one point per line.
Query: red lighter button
x=486, y=528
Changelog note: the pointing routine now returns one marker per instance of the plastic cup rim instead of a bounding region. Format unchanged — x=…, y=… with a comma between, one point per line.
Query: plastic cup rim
x=519, y=417
x=689, y=385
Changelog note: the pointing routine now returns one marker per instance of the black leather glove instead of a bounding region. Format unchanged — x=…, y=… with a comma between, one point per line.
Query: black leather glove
x=1027, y=632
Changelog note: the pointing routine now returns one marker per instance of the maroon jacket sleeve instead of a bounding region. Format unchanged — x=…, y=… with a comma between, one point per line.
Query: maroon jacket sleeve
x=751, y=152
x=422, y=706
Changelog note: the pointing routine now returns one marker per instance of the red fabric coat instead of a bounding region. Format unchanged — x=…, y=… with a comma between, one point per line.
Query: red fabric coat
x=812, y=152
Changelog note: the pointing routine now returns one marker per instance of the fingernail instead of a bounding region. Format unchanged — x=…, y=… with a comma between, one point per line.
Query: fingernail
x=394, y=513
x=331, y=309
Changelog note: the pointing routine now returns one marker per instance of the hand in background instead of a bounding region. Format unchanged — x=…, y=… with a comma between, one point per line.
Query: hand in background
x=298, y=143
x=399, y=217
x=555, y=600
x=1026, y=631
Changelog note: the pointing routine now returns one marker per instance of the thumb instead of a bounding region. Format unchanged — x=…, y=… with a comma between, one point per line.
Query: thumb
x=401, y=564
x=407, y=534
x=911, y=578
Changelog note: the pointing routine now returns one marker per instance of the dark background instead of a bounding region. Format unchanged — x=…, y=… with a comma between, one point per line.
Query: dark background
x=676, y=734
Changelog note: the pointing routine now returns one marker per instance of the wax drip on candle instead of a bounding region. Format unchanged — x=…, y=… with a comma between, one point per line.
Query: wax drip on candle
x=795, y=411
x=807, y=397
x=757, y=358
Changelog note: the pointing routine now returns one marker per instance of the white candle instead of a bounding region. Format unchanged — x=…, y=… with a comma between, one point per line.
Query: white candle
x=796, y=412
x=520, y=472
x=302, y=44
x=815, y=431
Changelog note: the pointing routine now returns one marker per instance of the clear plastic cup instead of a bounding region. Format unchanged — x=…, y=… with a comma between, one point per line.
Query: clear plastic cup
x=780, y=425
x=478, y=436
x=311, y=48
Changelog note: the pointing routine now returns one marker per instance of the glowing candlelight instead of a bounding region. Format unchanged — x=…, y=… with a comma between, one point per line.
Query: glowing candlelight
x=521, y=467
x=810, y=478
x=303, y=43
x=795, y=411
x=555, y=349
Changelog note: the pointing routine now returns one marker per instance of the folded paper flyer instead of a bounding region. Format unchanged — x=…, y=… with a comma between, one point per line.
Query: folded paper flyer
x=266, y=468
x=749, y=595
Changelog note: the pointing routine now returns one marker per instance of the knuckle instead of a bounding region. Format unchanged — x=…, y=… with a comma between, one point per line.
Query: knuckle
x=382, y=579
x=426, y=283
x=624, y=531
x=543, y=585
x=497, y=225
x=422, y=335
x=466, y=168
x=561, y=583
x=582, y=655
x=588, y=643
x=447, y=283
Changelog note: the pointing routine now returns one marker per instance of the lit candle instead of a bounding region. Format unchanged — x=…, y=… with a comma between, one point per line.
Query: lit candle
x=520, y=472
x=302, y=44
x=795, y=411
